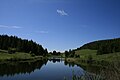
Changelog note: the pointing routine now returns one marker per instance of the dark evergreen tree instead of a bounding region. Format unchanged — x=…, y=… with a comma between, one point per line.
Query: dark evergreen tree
x=46, y=52
x=54, y=52
x=66, y=54
x=20, y=45
x=71, y=53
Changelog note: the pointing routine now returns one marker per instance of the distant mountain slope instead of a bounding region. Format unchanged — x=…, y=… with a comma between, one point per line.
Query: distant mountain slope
x=103, y=46
x=20, y=45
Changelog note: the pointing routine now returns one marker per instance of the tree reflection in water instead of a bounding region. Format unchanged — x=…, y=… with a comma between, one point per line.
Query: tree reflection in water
x=12, y=68
x=54, y=60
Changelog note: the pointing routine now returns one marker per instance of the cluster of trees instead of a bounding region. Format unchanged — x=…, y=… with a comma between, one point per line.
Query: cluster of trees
x=70, y=53
x=13, y=43
x=103, y=46
x=109, y=48
x=55, y=53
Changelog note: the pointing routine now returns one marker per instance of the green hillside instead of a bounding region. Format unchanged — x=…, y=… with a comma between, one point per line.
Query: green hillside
x=85, y=53
x=107, y=51
x=103, y=46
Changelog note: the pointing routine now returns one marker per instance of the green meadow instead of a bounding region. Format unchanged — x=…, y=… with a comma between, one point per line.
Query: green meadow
x=18, y=56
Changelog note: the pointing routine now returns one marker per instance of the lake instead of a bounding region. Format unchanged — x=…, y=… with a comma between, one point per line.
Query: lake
x=53, y=69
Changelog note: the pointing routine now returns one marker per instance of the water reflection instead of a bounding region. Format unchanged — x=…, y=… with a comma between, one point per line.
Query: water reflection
x=52, y=69
x=92, y=68
x=54, y=60
x=12, y=68
x=69, y=63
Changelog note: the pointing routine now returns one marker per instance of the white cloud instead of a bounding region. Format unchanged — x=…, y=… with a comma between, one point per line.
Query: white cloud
x=14, y=27
x=62, y=12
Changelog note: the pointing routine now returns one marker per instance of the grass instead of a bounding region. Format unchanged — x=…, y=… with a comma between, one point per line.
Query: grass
x=4, y=56
x=111, y=72
x=62, y=55
x=109, y=64
x=106, y=57
x=97, y=60
x=85, y=53
x=16, y=55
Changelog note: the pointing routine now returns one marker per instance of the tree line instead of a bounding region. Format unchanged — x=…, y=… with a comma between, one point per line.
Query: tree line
x=103, y=46
x=55, y=53
x=71, y=53
x=21, y=45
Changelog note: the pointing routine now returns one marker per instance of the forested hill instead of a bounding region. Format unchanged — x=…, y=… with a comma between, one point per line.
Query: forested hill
x=103, y=46
x=21, y=45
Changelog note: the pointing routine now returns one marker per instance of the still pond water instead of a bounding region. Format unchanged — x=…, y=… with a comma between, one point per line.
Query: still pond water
x=39, y=70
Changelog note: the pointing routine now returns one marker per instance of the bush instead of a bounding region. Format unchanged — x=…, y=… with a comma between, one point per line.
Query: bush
x=90, y=59
x=32, y=54
x=77, y=56
x=11, y=50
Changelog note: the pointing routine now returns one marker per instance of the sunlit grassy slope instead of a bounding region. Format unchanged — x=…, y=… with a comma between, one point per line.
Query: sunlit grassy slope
x=107, y=57
x=16, y=56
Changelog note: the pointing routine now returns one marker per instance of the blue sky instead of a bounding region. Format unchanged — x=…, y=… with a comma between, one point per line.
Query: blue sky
x=60, y=24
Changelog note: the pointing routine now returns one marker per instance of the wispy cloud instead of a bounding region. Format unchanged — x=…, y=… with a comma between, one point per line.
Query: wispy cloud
x=11, y=27
x=62, y=12
x=42, y=32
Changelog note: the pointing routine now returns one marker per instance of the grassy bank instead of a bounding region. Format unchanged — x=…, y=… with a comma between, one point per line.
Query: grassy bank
x=18, y=56
x=85, y=54
x=106, y=61
x=106, y=65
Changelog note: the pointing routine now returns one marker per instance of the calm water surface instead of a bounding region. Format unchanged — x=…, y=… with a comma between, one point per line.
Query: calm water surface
x=39, y=70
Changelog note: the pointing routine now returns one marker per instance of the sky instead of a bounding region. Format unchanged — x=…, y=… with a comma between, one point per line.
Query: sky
x=60, y=24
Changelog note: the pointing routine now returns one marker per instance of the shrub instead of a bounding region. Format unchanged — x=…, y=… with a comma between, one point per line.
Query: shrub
x=11, y=50
x=90, y=59
x=77, y=56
